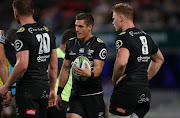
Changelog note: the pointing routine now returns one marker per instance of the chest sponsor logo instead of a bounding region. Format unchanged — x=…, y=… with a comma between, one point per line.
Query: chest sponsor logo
x=121, y=110
x=42, y=58
x=31, y=111
x=143, y=59
x=103, y=53
x=18, y=44
x=143, y=98
x=119, y=43
x=81, y=50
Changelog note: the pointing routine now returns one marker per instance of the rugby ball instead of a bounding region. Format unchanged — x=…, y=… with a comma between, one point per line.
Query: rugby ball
x=80, y=62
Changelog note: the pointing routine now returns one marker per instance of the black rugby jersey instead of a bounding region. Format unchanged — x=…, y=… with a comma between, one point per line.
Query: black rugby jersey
x=39, y=41
x=93, y=48
x=141, y=47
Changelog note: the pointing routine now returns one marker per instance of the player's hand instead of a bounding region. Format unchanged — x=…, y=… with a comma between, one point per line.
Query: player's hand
x=80, y=72
x=52, y=98
x=119, y=80
x=7, y=99
x=59, y=102
x=3, y=90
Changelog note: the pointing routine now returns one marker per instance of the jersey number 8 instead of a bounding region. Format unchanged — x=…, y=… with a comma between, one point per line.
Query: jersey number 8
x=44, y=40
x=144, y=45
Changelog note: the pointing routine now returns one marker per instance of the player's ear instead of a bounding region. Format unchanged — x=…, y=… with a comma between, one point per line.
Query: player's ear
x=121, y=17
x=15, y=12
x=90, y=27
x=33, y=11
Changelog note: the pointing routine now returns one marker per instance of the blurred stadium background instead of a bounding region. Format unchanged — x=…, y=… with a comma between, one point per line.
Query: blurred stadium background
x=159, y=18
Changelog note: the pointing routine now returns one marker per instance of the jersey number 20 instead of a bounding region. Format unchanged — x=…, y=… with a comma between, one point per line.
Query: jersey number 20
x=44, y=40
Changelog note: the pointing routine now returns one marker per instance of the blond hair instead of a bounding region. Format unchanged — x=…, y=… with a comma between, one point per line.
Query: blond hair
x=125, y=9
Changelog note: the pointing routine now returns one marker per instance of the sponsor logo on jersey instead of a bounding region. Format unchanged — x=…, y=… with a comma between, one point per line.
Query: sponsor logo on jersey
x=2, y=37
x=99, y=40
x=102, y=53
x=46, y=28
x=22, y=29
x=31, y=30
x=119, y=43
x=31, y=111
x=135, y=33
x=143, y=99
x=122, y=33
x=143, y=59
x=42, y=58
x=45, y=95
x=18, y=44
x=81, y=50
x=100, y=115
x=72, y=53
x=90, y=52
x=121, y=110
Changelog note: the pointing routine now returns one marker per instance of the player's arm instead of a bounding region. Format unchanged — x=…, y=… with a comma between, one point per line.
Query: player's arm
x=156, y=62
x=63, y=78
x=52, y=75
x=3, y=64
x=18, y=71
x=120, y=64
x=98, y=66
x=52, y=69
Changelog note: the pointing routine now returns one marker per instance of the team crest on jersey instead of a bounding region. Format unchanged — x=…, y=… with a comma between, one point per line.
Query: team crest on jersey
x=103, y=53
x=119, y=43
x=18, y=44
x=46, y=28
x=99, y=40
x=22, y=29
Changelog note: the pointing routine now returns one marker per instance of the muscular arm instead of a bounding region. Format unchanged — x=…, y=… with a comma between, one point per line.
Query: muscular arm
x=3, y=65
x=64, y=74
x=52, y=69
x=19, y=69
x=120, y=64
x=98, y=66
x=155, y=64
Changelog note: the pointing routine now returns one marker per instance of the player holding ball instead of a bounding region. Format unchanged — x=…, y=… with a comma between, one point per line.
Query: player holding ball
x=86, y=99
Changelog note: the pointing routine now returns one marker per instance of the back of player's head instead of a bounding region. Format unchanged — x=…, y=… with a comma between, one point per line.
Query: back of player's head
x=10, y=34
x=87, y=17
x=125, y=9
x=24, y=7
x=69, y=33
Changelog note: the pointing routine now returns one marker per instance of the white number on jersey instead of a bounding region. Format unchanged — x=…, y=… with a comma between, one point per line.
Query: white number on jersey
x=44, y=40
x=145, y=50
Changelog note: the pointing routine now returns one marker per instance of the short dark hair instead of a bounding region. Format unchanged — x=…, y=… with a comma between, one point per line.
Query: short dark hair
x=87, y=17
x=24, y=7
x=67, y=34
x=125, y=9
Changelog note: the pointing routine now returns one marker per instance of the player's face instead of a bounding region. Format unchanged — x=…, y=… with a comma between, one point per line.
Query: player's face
x=82, y=29
x=116, y=21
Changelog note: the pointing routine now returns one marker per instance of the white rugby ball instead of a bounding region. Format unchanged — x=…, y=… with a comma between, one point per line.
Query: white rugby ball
x=80, y=62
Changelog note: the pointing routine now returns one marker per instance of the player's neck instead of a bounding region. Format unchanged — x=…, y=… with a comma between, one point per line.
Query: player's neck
x=127, y=25
x=86, y=38
x=27, y=20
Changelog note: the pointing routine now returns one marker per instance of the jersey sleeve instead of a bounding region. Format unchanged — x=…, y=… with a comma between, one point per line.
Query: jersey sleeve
x=2, y=37
x=100, y=52
x=21, y=42
x=54, y=42
x=67, y=51
x=122, y=42
x=154, y=48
